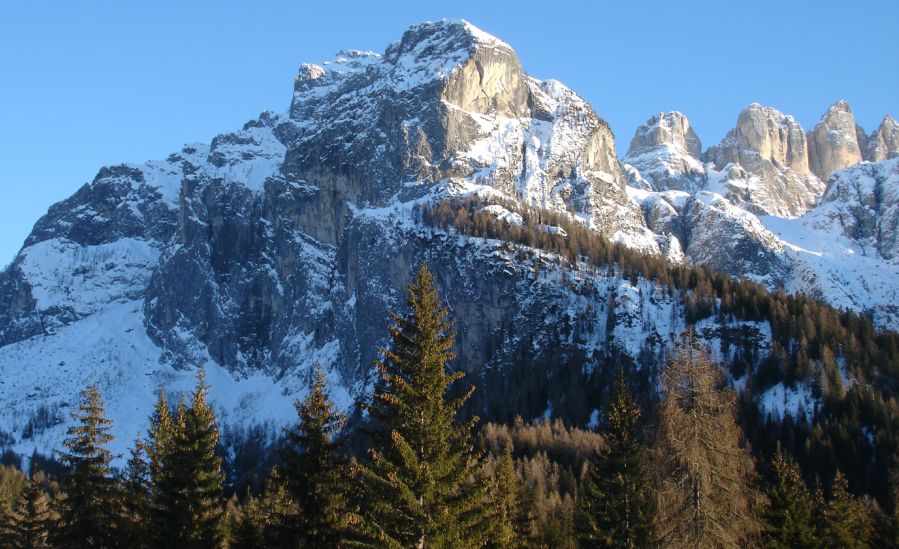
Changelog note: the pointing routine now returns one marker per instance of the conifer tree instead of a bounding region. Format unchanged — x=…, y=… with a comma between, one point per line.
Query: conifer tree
x=202, y=468
x=36, y=518
x=314, y=475
x=187, y=490
x=89, y=509
x=248, y=531
x=164, y=489
x=422, y=486
x=788, y=520
x=505, y=500
x=847, y=525
x=136, y=500
x=704, y=494
x=616, y=506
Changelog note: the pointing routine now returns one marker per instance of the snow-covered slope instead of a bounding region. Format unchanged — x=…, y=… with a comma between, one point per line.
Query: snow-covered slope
x=284, y=245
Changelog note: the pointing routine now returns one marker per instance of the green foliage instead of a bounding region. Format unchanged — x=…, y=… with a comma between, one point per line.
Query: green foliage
x=615, y=507
x=788, y=519
x=89, y=510
x=186, y=492
x=314, y=475
x=422, y=485
x=135, y=500
x=847, y=524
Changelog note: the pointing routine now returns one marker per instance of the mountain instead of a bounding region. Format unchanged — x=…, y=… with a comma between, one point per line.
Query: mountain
x=285, y=244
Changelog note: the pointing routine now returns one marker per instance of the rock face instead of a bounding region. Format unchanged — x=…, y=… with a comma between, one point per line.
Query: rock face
x=284, y=245
x=666, y=152
x=763, y=164
x=883, y=144
x=833, y=144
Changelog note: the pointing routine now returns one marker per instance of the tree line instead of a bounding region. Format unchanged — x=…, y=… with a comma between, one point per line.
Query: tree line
x=856, y=427
x=681, y=476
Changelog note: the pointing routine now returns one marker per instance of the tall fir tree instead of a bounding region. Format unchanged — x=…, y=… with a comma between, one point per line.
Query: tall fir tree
x=615, y=507
x=163, y=483
x=314, y=474
x=847, y=524
x=89, y=510
x=423, y=485
x=704, y=476
x=135, y=506
x=505, y=500
x=788, y=520
x=36, y=518
x=187, y=485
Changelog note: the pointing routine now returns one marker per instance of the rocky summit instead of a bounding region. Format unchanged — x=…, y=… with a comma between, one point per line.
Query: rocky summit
x=285, y=244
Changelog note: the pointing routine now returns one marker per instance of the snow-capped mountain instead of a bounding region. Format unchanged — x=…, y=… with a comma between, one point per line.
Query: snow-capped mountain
x=285, y=244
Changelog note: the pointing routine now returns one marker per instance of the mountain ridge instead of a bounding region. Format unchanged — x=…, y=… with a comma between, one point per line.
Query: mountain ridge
x=286, y=243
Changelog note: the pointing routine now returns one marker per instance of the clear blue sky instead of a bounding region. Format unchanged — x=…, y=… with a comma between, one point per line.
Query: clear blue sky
x=90, y=83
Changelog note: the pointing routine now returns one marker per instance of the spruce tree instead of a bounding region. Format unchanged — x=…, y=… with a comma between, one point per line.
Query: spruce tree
x=788, y=520
x=187, y=506
x=36, y=518
x=201, y=469
x=422, y=481
x=135, y=499
x=704, y=492
x=164, y=489
x=89, y=509
x=314, y=474
x=847, y=525
x=615, y=507
x=505, y=500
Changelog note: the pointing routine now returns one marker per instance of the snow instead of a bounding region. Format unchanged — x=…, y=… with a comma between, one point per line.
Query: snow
x=66, y=275
x=111, y=348
x=780, y=401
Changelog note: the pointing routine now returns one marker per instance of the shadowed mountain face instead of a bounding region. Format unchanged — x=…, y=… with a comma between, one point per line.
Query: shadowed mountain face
x=286, y=243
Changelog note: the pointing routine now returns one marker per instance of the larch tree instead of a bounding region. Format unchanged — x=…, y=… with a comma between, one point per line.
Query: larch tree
x=615, y=507
x=423, y=481
x=704, y=475
x=89, y=510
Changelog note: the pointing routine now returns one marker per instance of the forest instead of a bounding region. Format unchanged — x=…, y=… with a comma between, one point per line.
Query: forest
x=680, y=473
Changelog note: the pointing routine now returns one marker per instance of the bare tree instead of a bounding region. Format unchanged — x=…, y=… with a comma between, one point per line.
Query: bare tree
x=704, y=475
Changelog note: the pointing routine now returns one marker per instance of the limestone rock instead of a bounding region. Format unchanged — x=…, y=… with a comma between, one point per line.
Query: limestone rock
x=666, y=152
x=763, y=164
x=883, y=143
x=833, y=143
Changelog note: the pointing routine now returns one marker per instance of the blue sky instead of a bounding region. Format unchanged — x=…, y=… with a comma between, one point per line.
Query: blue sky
x=86, y=84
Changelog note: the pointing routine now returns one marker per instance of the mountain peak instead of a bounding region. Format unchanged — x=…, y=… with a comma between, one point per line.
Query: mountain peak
x=833, y=143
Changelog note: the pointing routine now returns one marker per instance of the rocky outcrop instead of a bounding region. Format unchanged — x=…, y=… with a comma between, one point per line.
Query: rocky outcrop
x=862, y=203
x=763, y=164
x=883, y=143
x=666, y=151
x=833, y=143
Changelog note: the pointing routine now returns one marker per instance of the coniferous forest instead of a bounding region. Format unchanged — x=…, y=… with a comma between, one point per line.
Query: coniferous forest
x=688, y=469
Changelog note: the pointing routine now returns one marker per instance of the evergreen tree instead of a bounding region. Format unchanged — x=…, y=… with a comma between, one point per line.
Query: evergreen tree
x=136, y=500
x=314, y=474
x=505, y=501
x=248, y=531
x=259, y=522
x=89, y=510
x=847, y=525
x=36, y=518
x=164, y=489
x=788, y=520
x=187, y=490
x=422, y=485
x=616, y=506
x=704, y=495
